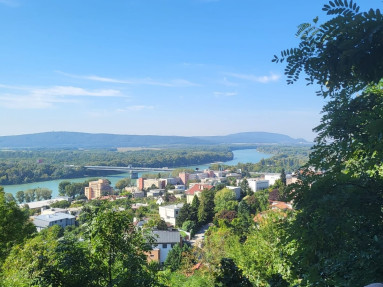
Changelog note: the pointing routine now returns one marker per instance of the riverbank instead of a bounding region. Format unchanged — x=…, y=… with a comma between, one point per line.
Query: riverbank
x=244, y=156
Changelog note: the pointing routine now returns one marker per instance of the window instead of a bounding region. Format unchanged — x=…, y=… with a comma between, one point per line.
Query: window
x=172, y=245
x=164, y=245
x=176, y=211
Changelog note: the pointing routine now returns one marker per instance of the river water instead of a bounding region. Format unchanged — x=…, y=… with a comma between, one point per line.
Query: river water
x=244, y=156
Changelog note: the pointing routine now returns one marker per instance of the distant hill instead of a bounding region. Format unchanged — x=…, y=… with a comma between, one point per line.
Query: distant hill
x=254, y=137
x=87, y=140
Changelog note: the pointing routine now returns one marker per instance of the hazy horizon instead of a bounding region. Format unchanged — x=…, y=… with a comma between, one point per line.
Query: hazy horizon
x=164, y=67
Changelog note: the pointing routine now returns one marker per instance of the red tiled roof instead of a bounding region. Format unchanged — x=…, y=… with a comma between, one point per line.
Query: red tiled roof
x=198, y=187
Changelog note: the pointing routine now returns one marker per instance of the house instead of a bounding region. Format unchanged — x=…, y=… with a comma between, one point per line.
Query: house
x=164, y=242
x=47, y=220
x=55, y=210
x=155, y=192
x=44, y=203
x=169, y=213
x=143, y=183
x=160, y=201
x=97, y=188
x=237, y=191
x=272, y=177
x=196, y=189
x=257, y=184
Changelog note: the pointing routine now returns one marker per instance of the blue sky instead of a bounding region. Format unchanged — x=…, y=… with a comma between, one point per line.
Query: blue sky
x=164, y=67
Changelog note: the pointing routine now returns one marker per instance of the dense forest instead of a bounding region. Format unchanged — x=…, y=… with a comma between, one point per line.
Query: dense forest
x=38, y=165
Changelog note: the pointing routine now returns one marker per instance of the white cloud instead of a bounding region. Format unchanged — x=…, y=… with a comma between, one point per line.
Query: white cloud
x=225, y=94
x=20, y=97
x=258, y=79
x=135, y=81
x=136, y=108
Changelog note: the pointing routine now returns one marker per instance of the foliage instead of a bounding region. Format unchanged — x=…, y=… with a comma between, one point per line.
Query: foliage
x=338, y=228
x=23, y=166
x=60, y=204
x=14, y=225
x=118, y=249
x=230, y=275
x=343, y=53
x=175, y=255
x=206, y=207
x=225, y=199
x=30, y=264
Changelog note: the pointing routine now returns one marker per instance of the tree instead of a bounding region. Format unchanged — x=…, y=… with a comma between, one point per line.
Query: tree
x=283, y=177
x=175, y=255
x=206, y=207
x=62, y=186
x=225, y=200
x=29, y=195
x=184, y=214
x=245, y=188
x=161, y=225
x=14, y=225
x=122, y=183
x=230, y=275
x=9, y=197
x=344, y=57
x=20, y=196
x=119, y=250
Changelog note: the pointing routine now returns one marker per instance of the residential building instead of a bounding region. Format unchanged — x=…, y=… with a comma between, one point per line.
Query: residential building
x=144, y=183
x=236, y=189
x=55, y=210
x=258, y=184
x=97, y=188
x=47, y=220
x=184, y=176
x=155, y=192
x=169, y=213
x=164, y=242
x=196, y=189
x=272, y=177
x=44, y=203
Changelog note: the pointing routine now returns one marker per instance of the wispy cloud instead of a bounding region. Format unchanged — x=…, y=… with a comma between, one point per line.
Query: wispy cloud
x=227, y=83
x=258, y=79
x=20, y=97
x=225, y=94
x=135, y=81
x=136, y=108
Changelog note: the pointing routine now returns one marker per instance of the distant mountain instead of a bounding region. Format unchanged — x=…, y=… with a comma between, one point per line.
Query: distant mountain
x=87, y=140
x=253, y=137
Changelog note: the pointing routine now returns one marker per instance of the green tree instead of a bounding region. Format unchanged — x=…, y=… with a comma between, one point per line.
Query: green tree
x=283, y=177
x=119, y=250
x=343, y=56
x=225, y=200
x=14, y=225
x=245, y=188
x=175, y=255
x=9, y=197
x=230, y=275
x=62, y=186
x=206, y=207
x=29, y=195
x=122, y=183
x=20, y=196
x=184, y=214
x=28, y=264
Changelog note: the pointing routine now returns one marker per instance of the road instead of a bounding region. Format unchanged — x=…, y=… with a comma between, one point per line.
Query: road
x=198, y=238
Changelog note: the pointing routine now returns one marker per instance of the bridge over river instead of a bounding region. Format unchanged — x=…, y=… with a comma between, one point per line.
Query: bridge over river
x=128, y=168
x=133, y=170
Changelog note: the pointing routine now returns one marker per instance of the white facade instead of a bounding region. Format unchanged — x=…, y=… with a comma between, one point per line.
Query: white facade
x=165, y=241
x=257, y=185
x=236, y=189
x=169, y=213
x=272, y=177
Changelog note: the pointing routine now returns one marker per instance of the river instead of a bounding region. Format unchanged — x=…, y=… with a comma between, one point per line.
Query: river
x=244, y=156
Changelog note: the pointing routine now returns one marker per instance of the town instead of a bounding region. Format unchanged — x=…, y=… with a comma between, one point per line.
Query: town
x=174, y=196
